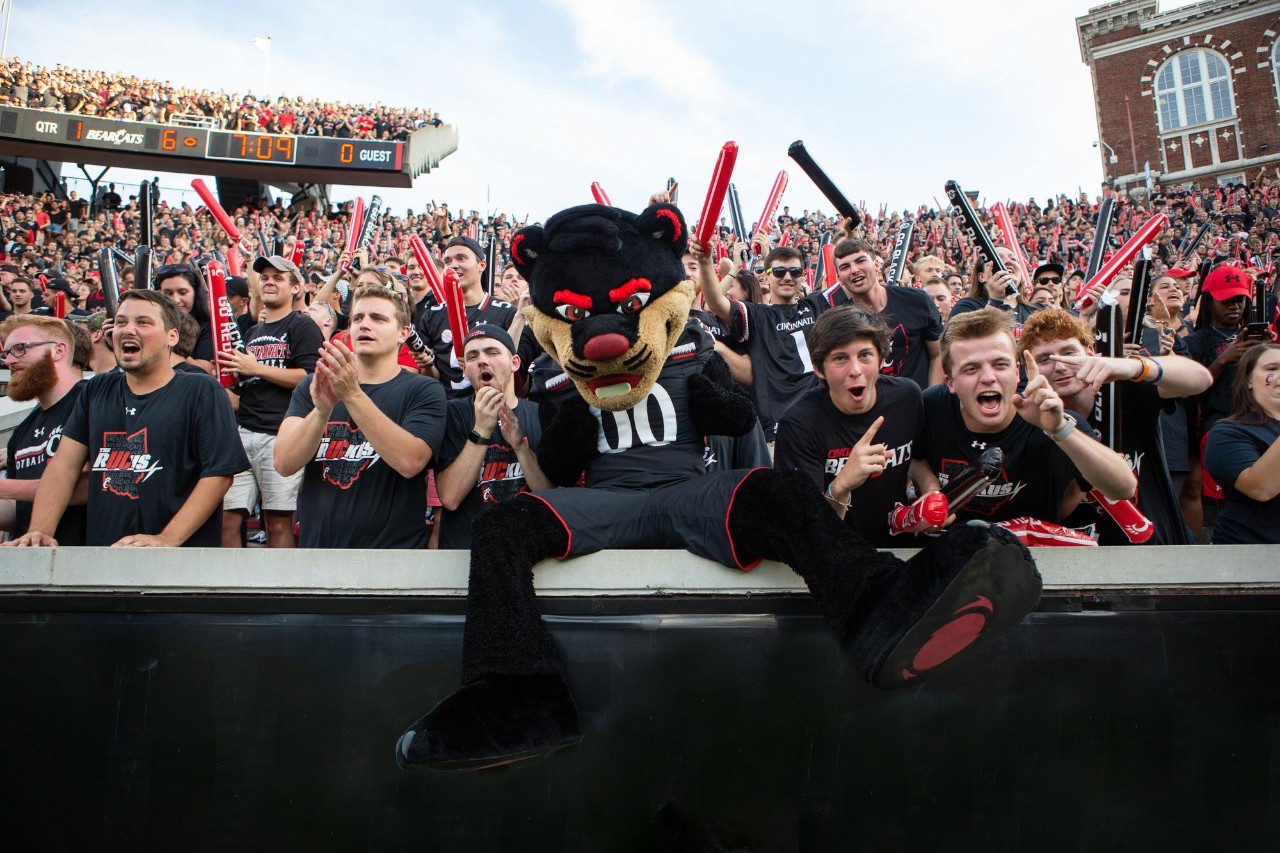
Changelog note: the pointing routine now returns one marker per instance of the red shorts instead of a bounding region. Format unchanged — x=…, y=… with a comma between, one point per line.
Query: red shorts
x=1209, y=487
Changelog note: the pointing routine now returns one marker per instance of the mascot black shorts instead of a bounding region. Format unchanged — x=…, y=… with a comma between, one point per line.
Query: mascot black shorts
x=691, y=515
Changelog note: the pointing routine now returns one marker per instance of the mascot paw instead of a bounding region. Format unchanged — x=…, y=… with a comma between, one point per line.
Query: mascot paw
x=496, y=720
x=954, y=597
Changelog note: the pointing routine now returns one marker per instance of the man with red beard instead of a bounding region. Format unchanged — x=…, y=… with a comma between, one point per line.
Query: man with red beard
x=360, y=433
x=491, y=442
x=38, y=352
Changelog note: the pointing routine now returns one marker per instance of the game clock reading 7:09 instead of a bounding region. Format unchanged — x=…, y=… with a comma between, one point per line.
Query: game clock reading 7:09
x=252, y=147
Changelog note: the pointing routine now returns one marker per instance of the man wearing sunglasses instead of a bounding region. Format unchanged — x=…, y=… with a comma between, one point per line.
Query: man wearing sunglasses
x=38, y=352
x=1049, y=277
x=776, y=334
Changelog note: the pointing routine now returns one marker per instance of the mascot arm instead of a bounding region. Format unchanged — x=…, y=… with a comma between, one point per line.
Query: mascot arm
x=719, y=405
x=569, y=438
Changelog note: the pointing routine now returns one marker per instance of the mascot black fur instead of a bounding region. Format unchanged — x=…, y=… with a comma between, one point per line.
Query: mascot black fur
x=642, y=387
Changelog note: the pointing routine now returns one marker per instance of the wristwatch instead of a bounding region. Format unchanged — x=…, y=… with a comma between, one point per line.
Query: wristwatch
x=1066, y=430
x=475, y=438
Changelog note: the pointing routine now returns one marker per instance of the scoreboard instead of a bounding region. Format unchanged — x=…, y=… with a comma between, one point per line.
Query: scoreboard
x=199, y=143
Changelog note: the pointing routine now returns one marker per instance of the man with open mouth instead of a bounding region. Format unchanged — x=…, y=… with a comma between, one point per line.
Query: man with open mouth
x=491, y=441
x=1050, y=461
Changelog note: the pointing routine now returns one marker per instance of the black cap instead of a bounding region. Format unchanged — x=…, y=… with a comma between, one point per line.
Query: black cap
x=1050, y=267
x=238, y=286
x=475, y=247
x=489, y=330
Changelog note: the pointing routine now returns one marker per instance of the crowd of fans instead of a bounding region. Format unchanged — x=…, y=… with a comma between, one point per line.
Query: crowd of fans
x=51, y=246
x=111, y=95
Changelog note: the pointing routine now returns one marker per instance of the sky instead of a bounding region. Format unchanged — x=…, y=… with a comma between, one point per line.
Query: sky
x=892, y=100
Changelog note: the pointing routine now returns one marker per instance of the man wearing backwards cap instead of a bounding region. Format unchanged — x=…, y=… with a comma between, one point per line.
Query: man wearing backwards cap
x=279, y=352
x=467, y=259
x=490, y=444
x=362, y=431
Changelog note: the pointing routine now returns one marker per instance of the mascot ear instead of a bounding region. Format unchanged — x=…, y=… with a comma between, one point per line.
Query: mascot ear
x=527, y=245
x=664, y=223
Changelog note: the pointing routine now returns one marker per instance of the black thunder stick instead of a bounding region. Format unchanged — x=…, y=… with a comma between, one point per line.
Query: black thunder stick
x=825, y=185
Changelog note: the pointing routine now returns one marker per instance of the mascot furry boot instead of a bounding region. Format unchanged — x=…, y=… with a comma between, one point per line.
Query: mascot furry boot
x=641, y=387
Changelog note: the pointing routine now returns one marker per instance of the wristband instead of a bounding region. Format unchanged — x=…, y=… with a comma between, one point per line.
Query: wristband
x=1146, y=369
x=1066, y=430
x=475, y=438
x=829, y=496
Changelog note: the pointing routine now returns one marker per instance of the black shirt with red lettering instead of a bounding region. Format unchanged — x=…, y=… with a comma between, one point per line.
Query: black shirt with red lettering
x=289, y=343
x=816, y=438
x=148, y=451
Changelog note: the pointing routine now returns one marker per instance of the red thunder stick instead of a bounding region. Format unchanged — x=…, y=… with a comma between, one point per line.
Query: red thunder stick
x=928, y=511
x=59, y=304
x=223, y=322
x=457, y=311
x=771, y=205
x=721, y=251
x=1009, y=236
x=1127, y=252
x=600, y=195
x=715, y=192
x=235, y=263
x=219, y=214
x=296, y=255
x=785, y=239
x=829, y=263
x=428, y=267
x=353, y=230
x=1136, y=527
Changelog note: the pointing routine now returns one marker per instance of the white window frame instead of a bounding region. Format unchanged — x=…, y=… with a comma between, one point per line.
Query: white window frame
x=1179, y=91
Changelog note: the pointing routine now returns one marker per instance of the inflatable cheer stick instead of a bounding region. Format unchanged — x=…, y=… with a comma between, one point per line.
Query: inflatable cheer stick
x=930, y=510
x=219, y=214
x=428, y=267
x=1009, y=236
x=109, y=278
x=714, y=202
x=226, y=335
x=771, y=204
x=974, y=478
x=796, y=151
x=457, y=311
x=353, y=231
x=600, y=195
x=1127, y=252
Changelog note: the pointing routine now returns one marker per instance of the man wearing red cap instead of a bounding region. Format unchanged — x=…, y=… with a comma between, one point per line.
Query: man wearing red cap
x=1218, y=343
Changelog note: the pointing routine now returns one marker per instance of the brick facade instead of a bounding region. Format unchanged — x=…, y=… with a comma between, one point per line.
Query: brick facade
x=1126, y=43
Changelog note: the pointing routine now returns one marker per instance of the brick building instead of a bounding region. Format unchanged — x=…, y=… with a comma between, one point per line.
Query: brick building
x=1192, y=91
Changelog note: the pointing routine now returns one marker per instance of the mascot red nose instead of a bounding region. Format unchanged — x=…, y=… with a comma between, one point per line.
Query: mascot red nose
x=623, y=438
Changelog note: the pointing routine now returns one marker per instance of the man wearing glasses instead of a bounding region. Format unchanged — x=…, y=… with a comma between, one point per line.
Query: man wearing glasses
x=1049, y=277
x=776, y=334
x=38, y=352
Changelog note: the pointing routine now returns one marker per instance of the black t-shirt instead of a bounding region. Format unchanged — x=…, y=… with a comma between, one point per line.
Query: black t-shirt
x=202, y=349
x=816, y=438
x=1142, y=446
x=350, y=498
x=290, y=342
x=1233, y=447
x=913, y=319
x=146, y=453
x=31, y=445
x=777, y=339
x=1036, y=471
x=1205, y=345
x=501, y=476
x=433, y=326
x=1020, y=312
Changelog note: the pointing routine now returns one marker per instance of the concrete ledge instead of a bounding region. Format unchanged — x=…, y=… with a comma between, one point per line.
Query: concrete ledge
x=610, y=573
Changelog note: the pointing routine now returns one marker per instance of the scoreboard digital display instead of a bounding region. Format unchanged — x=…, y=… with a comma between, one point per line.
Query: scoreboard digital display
x=321, y=152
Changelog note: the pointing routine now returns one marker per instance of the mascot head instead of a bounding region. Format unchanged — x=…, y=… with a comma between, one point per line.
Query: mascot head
x=609, y=296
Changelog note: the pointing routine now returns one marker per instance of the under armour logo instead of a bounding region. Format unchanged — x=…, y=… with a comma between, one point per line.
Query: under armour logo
x=979, y=445
x=39, y=433
x=129, y=410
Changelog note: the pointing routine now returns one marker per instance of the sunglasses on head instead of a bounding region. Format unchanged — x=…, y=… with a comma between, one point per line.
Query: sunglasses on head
x=173, y=269
x=1049, y=279
x=783, y=272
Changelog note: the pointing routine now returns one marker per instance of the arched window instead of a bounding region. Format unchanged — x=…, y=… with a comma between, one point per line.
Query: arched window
x=1193, y=87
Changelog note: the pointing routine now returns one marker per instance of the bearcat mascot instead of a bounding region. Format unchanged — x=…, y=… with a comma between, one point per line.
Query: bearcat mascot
x=610, y=304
